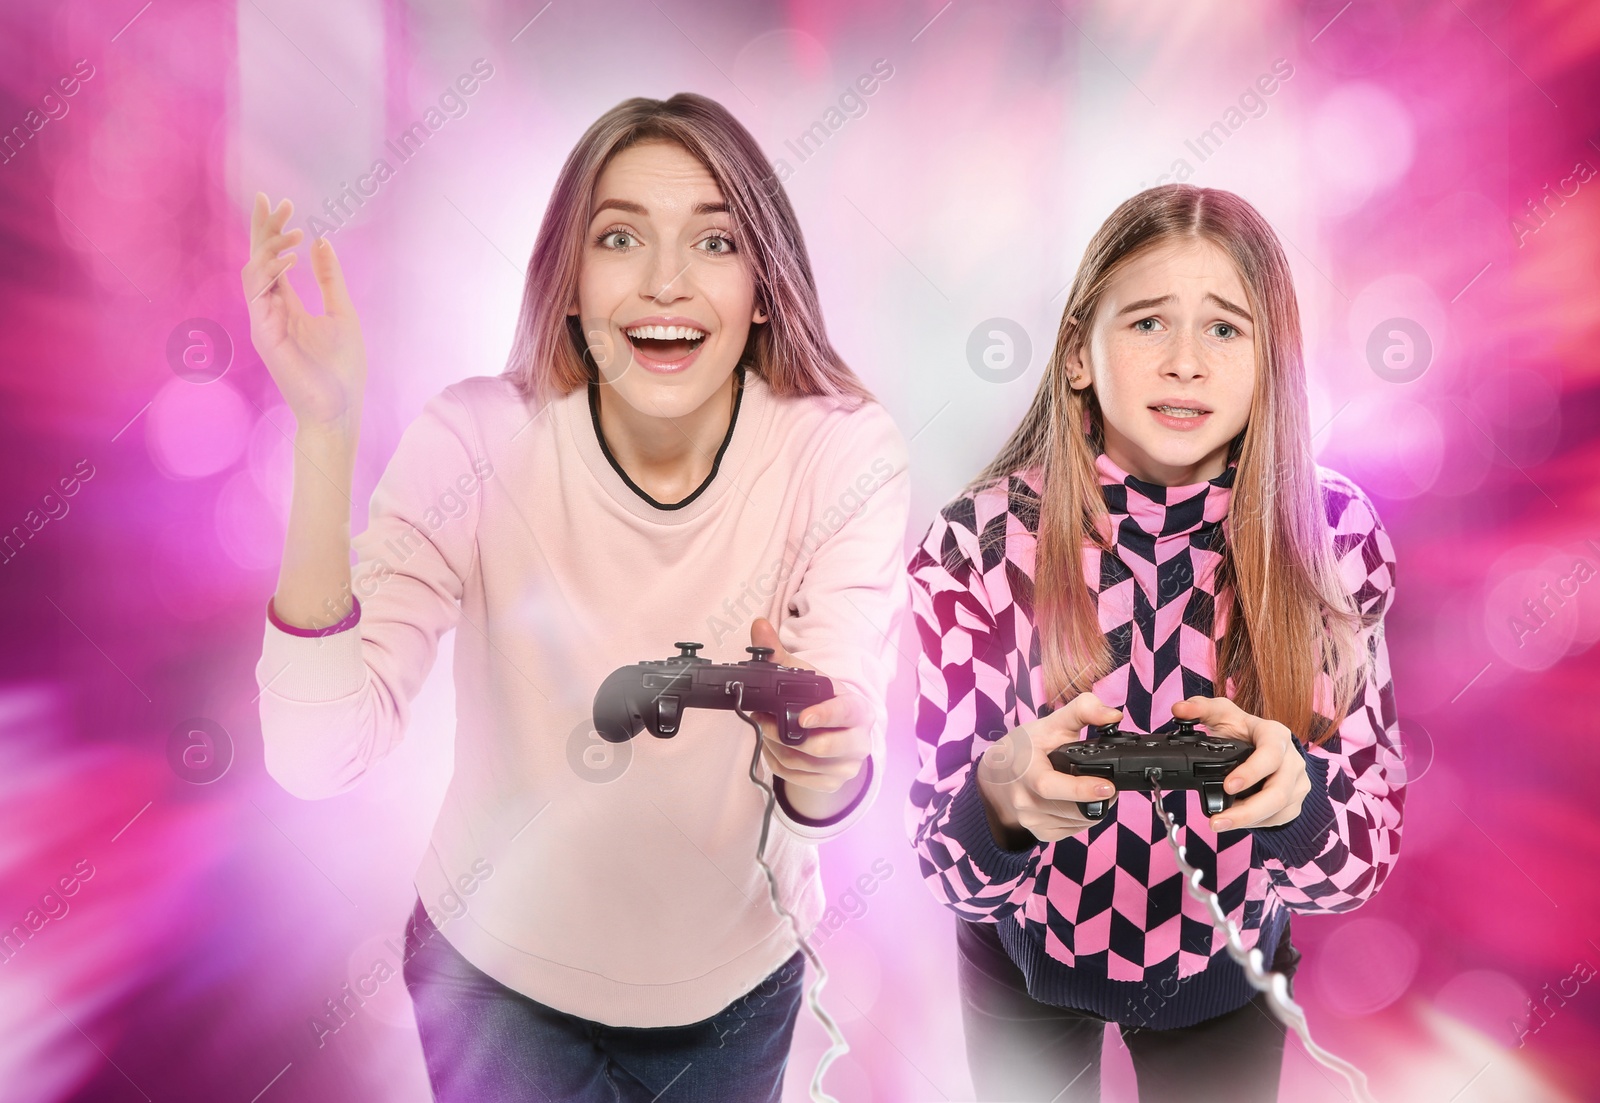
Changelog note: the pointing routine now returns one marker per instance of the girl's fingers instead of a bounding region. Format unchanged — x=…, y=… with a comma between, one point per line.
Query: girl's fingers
x=1266, y=760
x=1276, y=795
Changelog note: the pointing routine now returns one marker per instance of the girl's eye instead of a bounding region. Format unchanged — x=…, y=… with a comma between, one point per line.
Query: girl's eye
x=1225, y=331
x=616, y=239
x=718, y=245
x=1145, y=325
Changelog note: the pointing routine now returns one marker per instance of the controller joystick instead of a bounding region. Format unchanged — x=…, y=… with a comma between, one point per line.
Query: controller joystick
x=1186, y=733
x=653, y=694
x=1185, y=759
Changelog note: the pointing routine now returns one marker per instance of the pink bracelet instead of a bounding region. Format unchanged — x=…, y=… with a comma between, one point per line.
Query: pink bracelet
x=350, y=621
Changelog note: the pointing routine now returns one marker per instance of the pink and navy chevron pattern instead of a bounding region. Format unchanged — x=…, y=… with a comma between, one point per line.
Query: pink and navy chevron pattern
x=1098, y=920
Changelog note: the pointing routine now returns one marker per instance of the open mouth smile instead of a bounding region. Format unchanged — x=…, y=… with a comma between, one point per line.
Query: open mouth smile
x=665, y=347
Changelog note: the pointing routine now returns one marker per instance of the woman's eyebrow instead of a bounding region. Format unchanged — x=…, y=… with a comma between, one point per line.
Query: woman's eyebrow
x=630, y=207
x=626, y=205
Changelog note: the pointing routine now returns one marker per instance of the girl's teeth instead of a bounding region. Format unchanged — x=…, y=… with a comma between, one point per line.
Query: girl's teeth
x=1178, y=411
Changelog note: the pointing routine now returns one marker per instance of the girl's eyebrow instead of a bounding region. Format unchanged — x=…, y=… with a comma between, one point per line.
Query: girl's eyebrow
x=1146, y=304
x=630, y=207
x=1226, y=305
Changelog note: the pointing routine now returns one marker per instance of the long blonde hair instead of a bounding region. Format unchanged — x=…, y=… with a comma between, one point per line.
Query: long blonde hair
x=791, y=350
x=1289, y=615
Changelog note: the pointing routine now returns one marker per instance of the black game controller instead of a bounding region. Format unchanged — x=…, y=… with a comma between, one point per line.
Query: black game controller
x=1186, y=758
x=653, y=694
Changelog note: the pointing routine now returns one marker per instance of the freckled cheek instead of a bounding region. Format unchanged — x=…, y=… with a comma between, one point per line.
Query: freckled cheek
x=1127, y=372
x=1237, y=371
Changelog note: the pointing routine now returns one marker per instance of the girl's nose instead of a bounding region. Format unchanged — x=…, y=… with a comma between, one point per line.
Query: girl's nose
x=1186, y=359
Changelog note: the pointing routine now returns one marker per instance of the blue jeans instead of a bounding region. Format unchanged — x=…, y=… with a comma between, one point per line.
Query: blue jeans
x=486, y=1043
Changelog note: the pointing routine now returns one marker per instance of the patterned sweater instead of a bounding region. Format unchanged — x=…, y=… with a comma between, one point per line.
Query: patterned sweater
x=1099, y=921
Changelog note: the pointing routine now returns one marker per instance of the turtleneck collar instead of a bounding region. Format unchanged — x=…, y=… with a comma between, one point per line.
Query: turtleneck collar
x=1147, y=511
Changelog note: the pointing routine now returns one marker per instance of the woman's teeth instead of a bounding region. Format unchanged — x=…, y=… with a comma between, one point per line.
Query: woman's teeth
x=1179, y=411
x=665, y=333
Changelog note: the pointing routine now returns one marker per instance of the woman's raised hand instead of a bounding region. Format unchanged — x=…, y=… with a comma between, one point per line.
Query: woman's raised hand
x=318, y=362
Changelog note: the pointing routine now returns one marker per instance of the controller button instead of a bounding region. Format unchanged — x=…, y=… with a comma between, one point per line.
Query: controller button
x=759, y=654
x=668, y=714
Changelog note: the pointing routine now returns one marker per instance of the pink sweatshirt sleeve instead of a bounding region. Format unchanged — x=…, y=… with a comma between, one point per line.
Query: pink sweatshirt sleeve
x=334, y=704
x=847, y=612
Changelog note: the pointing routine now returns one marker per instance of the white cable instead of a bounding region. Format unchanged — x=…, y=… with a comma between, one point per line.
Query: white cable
x=1274, y=984
x=839, y=1047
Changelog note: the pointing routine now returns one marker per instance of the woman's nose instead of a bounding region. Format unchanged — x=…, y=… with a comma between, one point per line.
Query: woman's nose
x=666, y=276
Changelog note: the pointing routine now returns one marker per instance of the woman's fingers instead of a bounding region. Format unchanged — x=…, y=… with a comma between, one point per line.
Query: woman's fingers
x=276, y=244
x=825, y=775
x=330, y=278
x=264, y=279
x=847, y=710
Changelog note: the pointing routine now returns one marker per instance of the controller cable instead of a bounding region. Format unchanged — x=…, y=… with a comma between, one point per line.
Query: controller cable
x=1274, y=984
x=839, y=1047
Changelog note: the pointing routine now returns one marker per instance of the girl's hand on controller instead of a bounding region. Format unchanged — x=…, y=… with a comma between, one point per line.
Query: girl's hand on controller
x=1274, y=759
x=1027, y=800
x=838, y=743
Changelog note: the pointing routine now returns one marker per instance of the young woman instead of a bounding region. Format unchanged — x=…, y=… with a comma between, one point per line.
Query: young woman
x=1154, y=542
x=675, y=452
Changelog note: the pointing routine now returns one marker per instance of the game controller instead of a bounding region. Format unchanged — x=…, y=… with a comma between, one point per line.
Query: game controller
x=1187, y=759
x=653, y=694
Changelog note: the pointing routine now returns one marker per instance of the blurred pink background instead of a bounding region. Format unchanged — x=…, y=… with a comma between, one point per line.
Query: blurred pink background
x=1430, y=167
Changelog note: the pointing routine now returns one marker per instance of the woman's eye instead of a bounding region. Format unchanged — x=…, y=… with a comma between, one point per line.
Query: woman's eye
x=1145, y=325
x=718, y=245
x=1225, y=331
x=617, y=239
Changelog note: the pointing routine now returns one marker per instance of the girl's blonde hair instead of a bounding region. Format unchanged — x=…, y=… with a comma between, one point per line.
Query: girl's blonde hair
x=790, y=350
x=1289, y=615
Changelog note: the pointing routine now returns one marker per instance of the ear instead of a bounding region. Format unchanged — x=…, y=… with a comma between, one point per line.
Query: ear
x=1078, y=373
x=758, y=315
x=572, y=310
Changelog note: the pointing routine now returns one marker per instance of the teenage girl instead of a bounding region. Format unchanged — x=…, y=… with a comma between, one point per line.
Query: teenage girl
x=675, y=452
x=1154, y=542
